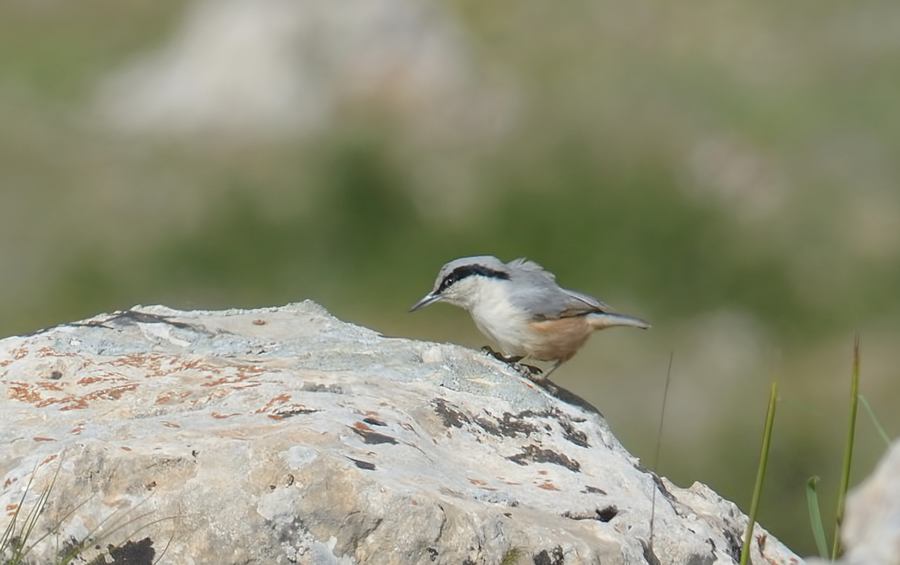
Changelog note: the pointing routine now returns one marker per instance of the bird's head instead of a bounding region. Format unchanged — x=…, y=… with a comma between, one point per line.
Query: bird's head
x=463, y=282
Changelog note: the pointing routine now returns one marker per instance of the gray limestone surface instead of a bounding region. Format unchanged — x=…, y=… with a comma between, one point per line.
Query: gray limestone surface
x=871, y=530
x=872, y=525
x=283, y=435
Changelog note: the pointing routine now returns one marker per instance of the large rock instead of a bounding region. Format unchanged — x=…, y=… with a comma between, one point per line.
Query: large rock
x=871, y=531
x=872, y=526
x=284, y=435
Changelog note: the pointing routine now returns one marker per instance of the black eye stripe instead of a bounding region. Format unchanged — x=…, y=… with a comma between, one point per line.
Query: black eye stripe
x=460, y=273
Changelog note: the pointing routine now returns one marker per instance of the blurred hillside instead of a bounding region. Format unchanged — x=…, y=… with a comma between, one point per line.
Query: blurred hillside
x=728, y=171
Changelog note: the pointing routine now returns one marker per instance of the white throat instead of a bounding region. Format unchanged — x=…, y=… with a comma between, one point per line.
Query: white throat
x=496, y=317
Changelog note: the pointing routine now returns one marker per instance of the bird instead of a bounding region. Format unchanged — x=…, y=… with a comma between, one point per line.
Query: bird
x=520, y=306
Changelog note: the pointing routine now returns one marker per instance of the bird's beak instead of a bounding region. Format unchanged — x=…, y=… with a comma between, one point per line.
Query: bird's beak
x=428, y=299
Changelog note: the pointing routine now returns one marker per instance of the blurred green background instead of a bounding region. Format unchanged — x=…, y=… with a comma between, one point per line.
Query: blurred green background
x=729, y=171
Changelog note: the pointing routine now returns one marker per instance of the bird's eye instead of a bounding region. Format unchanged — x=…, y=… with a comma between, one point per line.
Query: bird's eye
x=448, y=281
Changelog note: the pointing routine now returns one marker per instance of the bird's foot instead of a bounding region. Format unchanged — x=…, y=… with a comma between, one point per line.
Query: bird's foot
x=530, y=372
x=509, y=359
x=538, y=376
x=545, y=383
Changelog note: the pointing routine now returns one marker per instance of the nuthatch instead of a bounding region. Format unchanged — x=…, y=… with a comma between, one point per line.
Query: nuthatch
x=520, y=306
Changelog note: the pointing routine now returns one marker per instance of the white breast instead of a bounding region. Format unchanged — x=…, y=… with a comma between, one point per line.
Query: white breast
x=500, y=321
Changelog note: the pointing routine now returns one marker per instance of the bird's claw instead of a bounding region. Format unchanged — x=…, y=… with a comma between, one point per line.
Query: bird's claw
x=528, y=371
x=509, y=359
x=537, y=376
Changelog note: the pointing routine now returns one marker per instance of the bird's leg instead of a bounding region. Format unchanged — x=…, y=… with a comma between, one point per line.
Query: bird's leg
x=511, y=359
x=528, y=371
x=533, y=373
x=551, y=369
x=542, y=380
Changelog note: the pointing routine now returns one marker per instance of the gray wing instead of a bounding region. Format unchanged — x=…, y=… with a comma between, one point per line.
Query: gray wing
x=535, y=290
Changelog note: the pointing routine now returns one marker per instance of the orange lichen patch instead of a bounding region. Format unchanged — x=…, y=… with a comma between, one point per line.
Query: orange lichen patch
x=49, y=401
x=48, y=352
x=280, y=399
x=220, y=416
x=48, y=385
x=114, y=393
x=218, y=381
x=73, y=403
x=38, y=438
x=165, y=397
x=76, y=403
x=170, y=425
x=49, y=459
x=364, y=428
x=547, y=486
x=242, y=373
x=23, y=392
x=76, y=430
x=169, y=395
x=19, y=353
x=98, y=379
x=136, y=360
x=125, y=448
x=190, y=364
x=9, y=482
x=162, y=365
x=221, y=381
x=259, y=322
x=11, y=507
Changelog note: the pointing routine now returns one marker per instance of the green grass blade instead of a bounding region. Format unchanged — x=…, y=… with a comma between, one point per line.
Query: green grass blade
x=12, y=543
x=31, y=521
x=662, y=418
x=7, y=540
x=760, y=473
x=815, y=517
x=884, y=436
x=848, y=453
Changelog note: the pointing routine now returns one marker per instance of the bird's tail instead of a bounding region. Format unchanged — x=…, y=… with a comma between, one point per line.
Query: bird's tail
x=600, y=320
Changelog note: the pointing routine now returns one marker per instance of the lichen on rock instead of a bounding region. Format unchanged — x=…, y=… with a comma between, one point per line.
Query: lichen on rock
x=283, y=435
